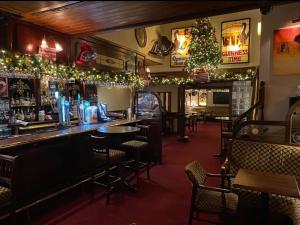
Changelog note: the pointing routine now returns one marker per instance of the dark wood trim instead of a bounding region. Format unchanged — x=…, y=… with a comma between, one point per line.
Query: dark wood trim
x=211, y=85
x=104, y=42
x=170, y=74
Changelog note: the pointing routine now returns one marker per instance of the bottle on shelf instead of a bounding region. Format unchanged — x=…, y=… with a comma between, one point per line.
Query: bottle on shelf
x=12, y=117
x=21, y=115
x=32, y=115
x=12, y=101
x=33, y=100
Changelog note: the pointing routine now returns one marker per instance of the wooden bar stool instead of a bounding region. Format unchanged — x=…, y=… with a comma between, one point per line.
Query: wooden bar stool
x=106, y=160
x=135, y=148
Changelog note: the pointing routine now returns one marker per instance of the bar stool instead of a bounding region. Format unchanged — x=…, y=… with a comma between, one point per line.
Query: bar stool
x=106, y=160
x=135, y=148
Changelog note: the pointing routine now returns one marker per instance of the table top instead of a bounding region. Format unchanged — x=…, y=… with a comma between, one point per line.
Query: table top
x=118, y=130
x=280, y=184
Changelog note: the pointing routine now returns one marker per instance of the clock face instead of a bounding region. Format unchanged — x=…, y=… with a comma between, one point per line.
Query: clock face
x=141, y=36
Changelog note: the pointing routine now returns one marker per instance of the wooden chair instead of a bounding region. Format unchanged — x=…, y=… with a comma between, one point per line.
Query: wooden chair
x=8, y=172
x=208, y=199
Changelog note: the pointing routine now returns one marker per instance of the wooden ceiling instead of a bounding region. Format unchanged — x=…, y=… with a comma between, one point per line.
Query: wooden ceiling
x=88, y=17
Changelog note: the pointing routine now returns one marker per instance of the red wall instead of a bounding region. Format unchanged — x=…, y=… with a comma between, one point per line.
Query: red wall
x=20, y=34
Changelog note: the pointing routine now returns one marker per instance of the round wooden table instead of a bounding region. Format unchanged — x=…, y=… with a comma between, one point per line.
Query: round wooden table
x=115, y=132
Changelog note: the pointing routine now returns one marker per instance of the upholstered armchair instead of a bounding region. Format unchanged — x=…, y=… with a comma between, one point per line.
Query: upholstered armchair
x=206, y=198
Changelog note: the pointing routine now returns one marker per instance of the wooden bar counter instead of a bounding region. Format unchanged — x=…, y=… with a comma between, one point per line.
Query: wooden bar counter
x=51, y=162
x=46, y=136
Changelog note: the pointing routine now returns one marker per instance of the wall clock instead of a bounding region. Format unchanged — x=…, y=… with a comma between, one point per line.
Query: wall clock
x=141, y=36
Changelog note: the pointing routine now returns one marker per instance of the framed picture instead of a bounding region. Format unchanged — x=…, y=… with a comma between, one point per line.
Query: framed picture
x=181, y=37
x=286, y=51
x=235, y=38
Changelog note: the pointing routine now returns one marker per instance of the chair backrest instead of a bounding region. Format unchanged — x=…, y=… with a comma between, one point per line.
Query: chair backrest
x=144, y=133
x=265, y=157
x=97, y=142
x=8, y=170
x=195, y=173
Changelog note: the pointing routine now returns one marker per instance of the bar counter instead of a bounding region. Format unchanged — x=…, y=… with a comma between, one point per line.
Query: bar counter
x=45, y=136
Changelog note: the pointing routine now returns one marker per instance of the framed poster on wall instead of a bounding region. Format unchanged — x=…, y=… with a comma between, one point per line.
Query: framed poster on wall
x=181, y=37
x=286, y=51
x=235, y=38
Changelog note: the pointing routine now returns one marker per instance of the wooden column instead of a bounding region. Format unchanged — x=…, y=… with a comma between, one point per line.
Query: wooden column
x=181, y=115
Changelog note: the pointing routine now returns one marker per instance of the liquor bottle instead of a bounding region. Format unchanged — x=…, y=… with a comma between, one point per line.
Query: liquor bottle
x=21, y=115
x=32, y=115
x=33, y=100
x=12, y=101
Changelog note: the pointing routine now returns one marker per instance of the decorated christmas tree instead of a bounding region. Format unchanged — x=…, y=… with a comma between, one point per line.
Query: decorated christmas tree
x=204, y=48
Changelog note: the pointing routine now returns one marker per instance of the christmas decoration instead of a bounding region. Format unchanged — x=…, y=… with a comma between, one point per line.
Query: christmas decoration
x=204, y=48
x=16, y=65
x=86, y=56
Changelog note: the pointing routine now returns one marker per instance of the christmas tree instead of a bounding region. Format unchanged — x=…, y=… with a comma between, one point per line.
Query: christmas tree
x=204, y=48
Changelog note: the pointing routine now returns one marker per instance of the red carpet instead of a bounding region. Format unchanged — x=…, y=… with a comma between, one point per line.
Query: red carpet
x=163, y=200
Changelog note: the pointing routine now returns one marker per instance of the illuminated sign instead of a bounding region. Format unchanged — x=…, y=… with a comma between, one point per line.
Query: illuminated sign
x=235, y=41
x=48, y=53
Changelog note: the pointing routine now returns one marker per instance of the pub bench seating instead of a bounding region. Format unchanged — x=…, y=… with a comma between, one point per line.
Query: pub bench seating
x=265, y=157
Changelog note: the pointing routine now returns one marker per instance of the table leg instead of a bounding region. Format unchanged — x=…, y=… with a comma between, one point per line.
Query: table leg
x=265, y=207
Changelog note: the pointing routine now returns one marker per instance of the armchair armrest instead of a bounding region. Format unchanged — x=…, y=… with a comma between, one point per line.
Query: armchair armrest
x=209, y=188
x=225, y=166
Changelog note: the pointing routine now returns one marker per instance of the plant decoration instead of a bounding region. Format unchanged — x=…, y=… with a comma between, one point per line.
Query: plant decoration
x=204, y=48
x=30, y=67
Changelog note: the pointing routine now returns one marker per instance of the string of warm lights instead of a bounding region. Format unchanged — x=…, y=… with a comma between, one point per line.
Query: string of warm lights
x=16, y=65
x=34, y=66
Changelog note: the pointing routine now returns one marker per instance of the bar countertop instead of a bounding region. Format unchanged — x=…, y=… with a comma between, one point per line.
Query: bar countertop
x=34, y=138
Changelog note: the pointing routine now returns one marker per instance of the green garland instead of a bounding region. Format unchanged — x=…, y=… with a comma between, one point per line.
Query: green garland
x=28, y=66
x=24, y=65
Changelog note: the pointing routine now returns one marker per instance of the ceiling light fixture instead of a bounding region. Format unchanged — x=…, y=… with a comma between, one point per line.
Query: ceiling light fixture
x=58, y=47
x=44, y=43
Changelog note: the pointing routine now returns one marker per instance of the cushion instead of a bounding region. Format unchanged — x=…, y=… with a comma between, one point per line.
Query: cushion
x=211, y=201
x=134, y=144
x=115, y=156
